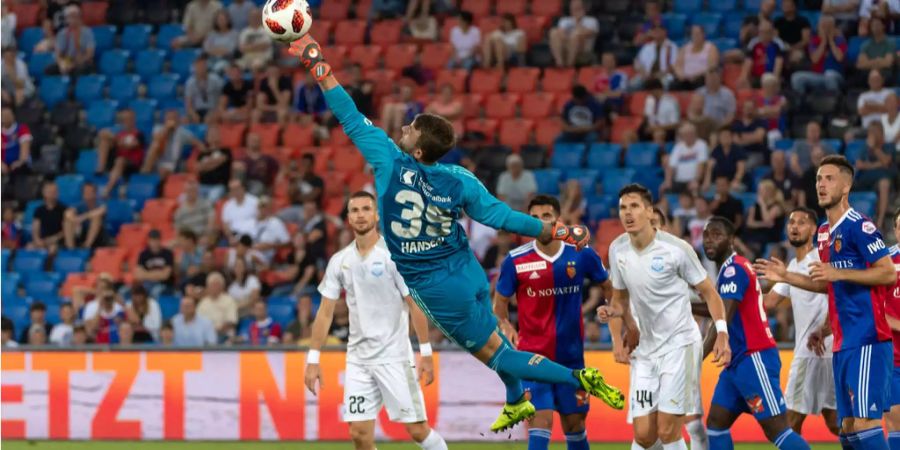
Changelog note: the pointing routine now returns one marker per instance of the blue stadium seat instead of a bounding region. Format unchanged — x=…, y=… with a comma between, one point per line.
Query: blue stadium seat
x=29, y=261
x=183, y=60
x=855, y=150
x=104, y=37
x=18, y=313
x=642, y=154
x=71, y=261
x=567, y=155
x=866, y=202
x=4, y=259
x=42, y=285
x=149, y=62
x=548, y=180
x=651, y=178
x=10, y=283
x=598, y=208
x=53, y=90
x=162, y=86
x=70, y=188
x=747, y=198
x=836, y=144
x=197, y=129
x=709, y=22
x=144, y=112
x=676, y=24
x=725, y=44
x=615, y=180
x=29, y=38
x=142, y=187
x=113, y=62
x=784, y=144
x=124, y=88
x=853, y=48
x=102, y=113
x=86, y=164
x=89, y=88
x=281, y=309
x=28, y=217
x=757, y=175
x=52, y=313
x=587, y=178
x=136, y=37
x=731, y=24
x=723, y=5
x=602, y=155
x=38, y=62
x=168, y=306
x=166, y=34
x=687, y=6
x=119, y=212
x=811, y=16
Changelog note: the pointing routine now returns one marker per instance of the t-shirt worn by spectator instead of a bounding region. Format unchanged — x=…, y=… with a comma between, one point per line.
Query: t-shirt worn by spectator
x=199, y=18
x=853, y=14
x=686, y=160
x=583, y=114
x=222, y=173
x=307, y=184
x=283, y=84
x=13, y=138
x=238, y=11
x=108, y=322
x=263, y=169
x=219, y=310
x=569, y=23
x=151, y=260
x=878, y=97
x=204, y=94
x=61, y=334
x=649, y=52
x=718, y=105
x=726, y=163
x=763, y=56
x=262, y=332
x=130, y=144
x=741, y=127
x=194, y=333
x=194, y=217
x=465, y=43
x=730, y=208
x=237, y=94
x=828, y=62
x=875, y=49
x=791, y=30
x=786, y=184
x=233, y=212
x=803, y=150
x=662, y=112
x=317, y=248
x=70, y=42
x=51, y=218
x=517, y=191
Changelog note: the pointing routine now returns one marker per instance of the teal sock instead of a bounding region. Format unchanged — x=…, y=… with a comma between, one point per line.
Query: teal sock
x=788, y=440
x=538, y=439
x=577, y=441
x=514, y=389
x=530, y=366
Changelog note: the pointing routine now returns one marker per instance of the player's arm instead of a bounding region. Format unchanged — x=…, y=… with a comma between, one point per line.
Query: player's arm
x=713, y=332
x=420, y=326
x=881, y=273
x=595, y=271
x=622, y=328
x=779, y=293
x=507, y=284
x=320, y=327
x=774, y=270
x=720, y=348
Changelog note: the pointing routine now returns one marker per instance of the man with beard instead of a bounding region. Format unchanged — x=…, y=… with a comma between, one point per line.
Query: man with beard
x=892, y=308
x=810, y=386
x=380, y=366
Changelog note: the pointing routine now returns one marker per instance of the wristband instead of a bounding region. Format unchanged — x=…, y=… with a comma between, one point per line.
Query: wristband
x=425, y=349
x=721, y=326
x=312, y=356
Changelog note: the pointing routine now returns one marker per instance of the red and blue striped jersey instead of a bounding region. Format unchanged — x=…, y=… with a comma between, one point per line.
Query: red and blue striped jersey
x=856, y=311
x=548, y=292
x=892, y=306
x=748, y=329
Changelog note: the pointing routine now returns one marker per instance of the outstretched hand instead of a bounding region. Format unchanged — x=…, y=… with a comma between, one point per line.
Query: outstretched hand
x=310, y=53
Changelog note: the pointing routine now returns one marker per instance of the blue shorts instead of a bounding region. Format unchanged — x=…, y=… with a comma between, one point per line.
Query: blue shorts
x=895, y=386
x=752, y=386
x=562, y=398
x=459, y=305
x=862, y=380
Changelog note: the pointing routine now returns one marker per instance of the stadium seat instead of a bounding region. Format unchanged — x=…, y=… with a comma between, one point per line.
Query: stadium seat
x=109, y=260
x=598, y=208
x=102, y=113
x=136, y=37
x=298, y=136
x=514, y=7
x=232, y=135
x=501, y=106
x=27, y=13
x=546, y=8
x=547, y=130
x=515, y=133
x=624, y=124
x=69, y=186
x=855, y=150
x=478, y=8
x=651, y=178
x=731, y=24
x=142, y=187
x=38, y=63
x=162, y=86
x=123, y=88
x=350, y=32
x=26, y=261
x=28, y=217
x=183, y=60
x=334, y=10
x=614, y=180
x=174, y=185
x=709, y=22
x=132, y=237
x=119, y=212
x=41, y=285
x=587, y=179
x=366, y=56
x=386, y=32
x=71, y=261
x=169, y=306
x=4, y=259
x=472, y=104
x=725, y=44
x=104, y=37
x=687, y=6
x=522, y=79
x=723, y=5
x=676, y=24
x=642, y=154
x=53, y=89
x=538, y=105
x=281, y=309
x=113, y=62
x=603, y=156
x=558, y=80
x=144, y=109
x=94, y=13
x=567, y=156
x=269, y=133
x=548, y=180
x=18, y=313
x=29, y=38
x=159, y=212
x=485, y=81
x=435, y=55
x=454, y=77
x=853, y=47
x=89, y=88
x=149, y=62
x=400, y=56
x=10, y=284
x=487, y=127
x=865, y=202
x=166, y=34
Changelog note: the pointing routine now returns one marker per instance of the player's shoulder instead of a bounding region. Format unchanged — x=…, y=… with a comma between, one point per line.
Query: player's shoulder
x=675, y=244
x=341, y=256
x=735, y=265
x=522, y=249
x=895, y=252
x=620, y=243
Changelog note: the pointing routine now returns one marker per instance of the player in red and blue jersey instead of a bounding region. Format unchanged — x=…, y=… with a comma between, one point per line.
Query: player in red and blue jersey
x=855, y=271
x=892, y=314
x=750, y=383
x=547, y=281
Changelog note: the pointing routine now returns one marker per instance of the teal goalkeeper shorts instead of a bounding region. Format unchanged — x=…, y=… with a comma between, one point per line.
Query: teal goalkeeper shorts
x=458, y=302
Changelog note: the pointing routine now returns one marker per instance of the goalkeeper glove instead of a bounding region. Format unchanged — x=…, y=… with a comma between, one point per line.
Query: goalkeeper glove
x=577, y=235
x=310, y=54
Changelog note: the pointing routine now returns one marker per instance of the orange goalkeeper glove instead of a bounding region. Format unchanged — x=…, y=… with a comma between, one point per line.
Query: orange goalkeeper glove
x=310, y=54
x=577, y=235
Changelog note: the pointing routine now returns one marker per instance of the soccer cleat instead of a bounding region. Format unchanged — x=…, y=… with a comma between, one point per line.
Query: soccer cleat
x=513, y=414
x=593, y=383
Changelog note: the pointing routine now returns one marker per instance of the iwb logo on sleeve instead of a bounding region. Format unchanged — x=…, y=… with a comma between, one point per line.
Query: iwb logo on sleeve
x=408, y=176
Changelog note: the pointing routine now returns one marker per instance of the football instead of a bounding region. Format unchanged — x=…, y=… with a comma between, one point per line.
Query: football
x=286, y=20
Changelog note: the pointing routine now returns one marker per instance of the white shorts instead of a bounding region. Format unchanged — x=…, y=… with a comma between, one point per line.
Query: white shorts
x=669, y=383
x=810, y=386
x=394, y=385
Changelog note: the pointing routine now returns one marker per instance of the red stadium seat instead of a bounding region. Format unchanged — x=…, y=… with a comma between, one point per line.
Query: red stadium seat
x=363, y=8
x=27, y=14
x=534, y=27
x=268, y=133
x=478, y=8
x=322, y=30
x=350, y=32
x=560, y=102
x=350, y=160
x=546, y=8
x=488, y=24
x=744, y=95
x=538, y=105
x=557, y=80
x=623, y=125
x=366, y=56
x=384, y=79
x=486, y=126
x=334, y=10
x=731, y=72
x=501, y=106
x=386, y=32
x=109, y=260
x=448, y=25
x=94, y=13
x=547, y=130
x=297, y=136
x=336, y=56
x=399, y=56
x=454, y=77
x=587, y=75
x=174, y=186
x=608, y=230
x=472, y=104
x=133, y=236
x=514, y=7
x=232, y=135
x=522, y=79
x=159, y=212
x=515, y=133
x=636, y=102
x=485, y=81
x=358, y=181
x=435, y=56
x=684, y=101
x=338, y=138
x=77, y=280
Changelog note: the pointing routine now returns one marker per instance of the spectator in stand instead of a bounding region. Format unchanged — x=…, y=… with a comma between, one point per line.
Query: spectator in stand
x=801, y=154
x=240, y=12
x=303, y=185
x=257, y=168
x=361, y=91
x=386, y=9
x=480, y=236
x=268, y=231
x=826, y=51
x=505, y=46
x=102, y=318
x=423, y=27
x=235, y=101
x=190, y=259
x=309, y=101
x=661, y=114
x=726, y=161
x=126, y=334
x=719, y=104
x=167, y=335
x=16, y=82
x=243, y=251
x=875, y=169
x=191, y=329
x=218, y=307
x=572, y=39
x=79, y=336
x=448, y=106
x=871, y=11
x=877, y=53
x=726, y=205
x=37, y=335
x=765, y=221
x=12, y=233
x=750, y=135
x=165, y=152
x=584, y=118
x=890, y=120
x=245, y=286
x=764, y=55
x=144, y=315
x=221, y=44
x=37, y=314
x=655, y=60
x=809, y=196
x=213, y=166
x=299, y=328
x=610, y=83
x=8, y=26
x=201, y=93
x=273, y=96
x=74, y=46
x=845, y=12
x=652, y=19
x=395, y=115
x=82, y=295
x=687, y=162
x=784, y=179
x=156, y=266
x=871, y=104
x=16, y=145
x=682, y=214
x=83, y=223
x=194, y=213
x=516, y=185
x=47, y=44
x=496, y=253
x=794, y=30
x=300, y=275
x=241, y=207
x=697, y=223
x=254, y=43
x=120, y=151
x=198, y=21
x=772, y=107
x=8, y=327
x=263, y=330
x=314, y=226
x=750, y=29
x=61, y=334
x=695, y=59
x=573, y=203
x=47, y=225
x=465, y=38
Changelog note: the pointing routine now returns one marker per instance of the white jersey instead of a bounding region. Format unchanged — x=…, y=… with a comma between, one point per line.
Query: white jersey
x=379, y=317
x=810, y=308
x=658, y=280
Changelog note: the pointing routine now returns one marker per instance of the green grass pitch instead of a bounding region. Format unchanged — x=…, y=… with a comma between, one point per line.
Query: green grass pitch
x=45, y=445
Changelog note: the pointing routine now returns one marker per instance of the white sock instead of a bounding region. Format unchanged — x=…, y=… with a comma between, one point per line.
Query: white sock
x=657, y=446
x=677, y=445
x=697, y=432
x=433, y=441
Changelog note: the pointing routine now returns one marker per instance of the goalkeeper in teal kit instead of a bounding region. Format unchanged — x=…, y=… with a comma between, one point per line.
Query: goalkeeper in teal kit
x=419, y=201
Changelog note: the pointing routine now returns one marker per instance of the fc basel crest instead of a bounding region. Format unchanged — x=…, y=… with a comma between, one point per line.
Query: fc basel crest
x=837, y=245
x=570, y=269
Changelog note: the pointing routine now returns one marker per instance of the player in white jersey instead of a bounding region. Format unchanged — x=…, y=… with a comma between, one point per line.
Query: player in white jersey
x=810, y=386
x=652, y=272
x=380, y=365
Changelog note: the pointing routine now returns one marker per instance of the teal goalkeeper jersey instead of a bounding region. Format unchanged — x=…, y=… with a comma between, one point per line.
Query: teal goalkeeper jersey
x=419, y=204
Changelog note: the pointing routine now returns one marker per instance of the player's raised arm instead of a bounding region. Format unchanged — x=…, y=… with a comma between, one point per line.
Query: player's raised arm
x=774, y=270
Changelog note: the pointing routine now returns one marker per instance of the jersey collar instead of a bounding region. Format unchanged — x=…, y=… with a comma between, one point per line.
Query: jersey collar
x=831, y=228
x=550, y=259
x=726, y=263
